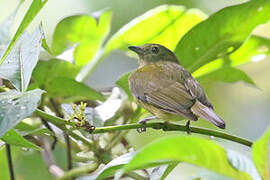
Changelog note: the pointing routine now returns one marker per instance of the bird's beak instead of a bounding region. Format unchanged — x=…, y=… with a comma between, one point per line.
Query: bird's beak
x=136, y=49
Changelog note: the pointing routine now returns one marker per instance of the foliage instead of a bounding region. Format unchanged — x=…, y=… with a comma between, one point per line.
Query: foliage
x=210, y=47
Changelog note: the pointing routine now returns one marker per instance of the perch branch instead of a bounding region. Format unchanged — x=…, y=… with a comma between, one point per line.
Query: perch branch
x=165, y=126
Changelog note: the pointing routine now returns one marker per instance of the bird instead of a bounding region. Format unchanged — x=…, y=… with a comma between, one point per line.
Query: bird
x=167, y=90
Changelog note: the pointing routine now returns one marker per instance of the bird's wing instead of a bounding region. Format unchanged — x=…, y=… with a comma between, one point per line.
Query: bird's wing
x=196, y=90
x=160, y=87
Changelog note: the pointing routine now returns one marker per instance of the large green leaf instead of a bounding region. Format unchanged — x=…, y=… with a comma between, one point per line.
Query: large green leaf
x=227, y=74
x=260, y=152
x=22, y=59
x=13, y=138
x=33, y=10
x=221, y=33
x=84, y=30
x=193, y=150
x=165, y=25
x=54, y=68
x=65, y=87
x=16, y=106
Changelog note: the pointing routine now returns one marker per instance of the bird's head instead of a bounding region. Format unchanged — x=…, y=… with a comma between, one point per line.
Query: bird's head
x=151, y=53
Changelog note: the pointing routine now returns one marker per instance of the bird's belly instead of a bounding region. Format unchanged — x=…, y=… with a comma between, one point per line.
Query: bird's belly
x=162, y=114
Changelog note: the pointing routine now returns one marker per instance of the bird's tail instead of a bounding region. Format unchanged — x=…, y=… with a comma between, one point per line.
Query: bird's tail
x=208, y=114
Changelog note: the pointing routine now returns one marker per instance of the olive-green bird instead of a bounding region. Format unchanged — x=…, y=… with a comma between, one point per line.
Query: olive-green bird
x=168, y=91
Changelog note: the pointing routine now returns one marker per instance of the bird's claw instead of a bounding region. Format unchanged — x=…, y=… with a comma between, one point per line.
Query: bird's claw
x=143, y=128
x=188, y=128
x=143, y=123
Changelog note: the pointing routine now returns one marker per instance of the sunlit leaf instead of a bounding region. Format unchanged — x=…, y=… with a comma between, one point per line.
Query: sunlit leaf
x=193, y=150
x=16, y=106
x=164, y=25
x=260, y=153
x=221, y=34
x=13, y=138
x=33, y=10
x=84, y=30
x=227, y=74
x=65, y=87
x=22, y=59
x=255, y=49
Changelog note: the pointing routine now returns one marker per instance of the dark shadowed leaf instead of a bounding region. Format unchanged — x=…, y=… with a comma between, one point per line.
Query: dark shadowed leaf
x=87, y=31
x=227, y=74
x=33, y=10
x=13, y=138
x=22, y=59
x=260, y=153
x=46, y=71
x=16, y=106
x=185, y=149
x=221, y=33
x=65, y=87
x=165, y=25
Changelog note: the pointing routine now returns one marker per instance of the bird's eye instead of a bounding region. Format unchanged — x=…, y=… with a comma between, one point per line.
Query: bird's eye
x=155, y=50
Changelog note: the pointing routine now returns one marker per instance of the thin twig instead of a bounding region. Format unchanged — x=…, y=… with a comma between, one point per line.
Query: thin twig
x=48, y=158
x=47, y=125
x=10, y=164
x=165, y=126
x=79, y=171
x=69, y=157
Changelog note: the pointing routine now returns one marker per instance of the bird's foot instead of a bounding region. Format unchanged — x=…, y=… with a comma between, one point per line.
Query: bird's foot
x=188, y=128
x=143, y=123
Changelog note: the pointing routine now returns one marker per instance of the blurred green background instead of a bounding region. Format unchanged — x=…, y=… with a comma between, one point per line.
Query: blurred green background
x=245, y=109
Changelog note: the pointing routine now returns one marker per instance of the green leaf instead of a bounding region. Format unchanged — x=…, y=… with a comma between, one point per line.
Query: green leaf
x=16, y=106
x=84, y=30
x=260, y=153
x=242, y=163
x=256, y=48
x=193, y=150
x=226, y=74
x=13, y=138
x=6, y=26
x=165, y=24
x=22, y=59
x=65, y=87
x=35, y=7
x=110, y=169
x=122, y=82
x=54, y=68
x=221, y=34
